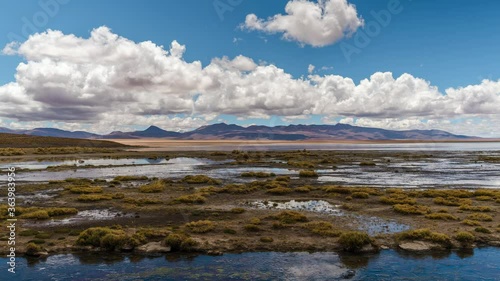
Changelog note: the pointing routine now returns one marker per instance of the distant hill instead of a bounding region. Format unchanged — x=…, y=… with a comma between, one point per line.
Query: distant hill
x=234, y=132
x=26, y=141
x=51, y=132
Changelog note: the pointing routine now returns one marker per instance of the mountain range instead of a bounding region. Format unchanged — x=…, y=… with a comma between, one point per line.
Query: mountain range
x=234, y=132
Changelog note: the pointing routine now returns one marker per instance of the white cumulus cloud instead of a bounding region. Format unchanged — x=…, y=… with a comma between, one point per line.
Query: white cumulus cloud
x=317, y=24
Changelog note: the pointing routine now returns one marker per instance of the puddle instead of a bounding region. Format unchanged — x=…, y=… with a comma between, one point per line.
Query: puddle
x=235, y=173
x=456, y=173
x=315, y=206
x=100, y=162
x=176, y=168
x=376, y=225
x=82, y=216
x=371, y=225
x=39, y=196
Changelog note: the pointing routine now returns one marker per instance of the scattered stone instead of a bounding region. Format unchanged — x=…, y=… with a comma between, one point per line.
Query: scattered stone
x=418, y=246
x=153, y=247
x=349, y=274
x=215, y=253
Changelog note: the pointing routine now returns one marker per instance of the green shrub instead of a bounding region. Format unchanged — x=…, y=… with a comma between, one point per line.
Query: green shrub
x=112, y=241
x=32, y=249
x=397, y=198
x=322, y=228
x=475, y=208
x=280, y=190
x=360, y=195
x=484, y=198
x=482, y=230
x=195, y=198
x=130, y=178
x=486, y=192
x=238, y=188
x=407, y=209
x=457, y=193
x=266, y=239
x=36, y=215
x=203, y=226
x=94, y=235
x=174, y=241
x=308, y=174
x=53, y=212
x=337, y=189
x=441, y=216
x=256, y=221
x=291, y=217
x=85, y=189
x=94, y=197
x=471, y=222
x=282, y=179
x=303, y=189
x=257, y=175
x=153, y=232
x=252, y=227
x=354, y=240
x=480, y=217
x=452, y=201
x=154, y=187
x=465, y=238
x=425, y=234
x=118, y=195
x=238, y=210
x=229, y=231
x=199, y=179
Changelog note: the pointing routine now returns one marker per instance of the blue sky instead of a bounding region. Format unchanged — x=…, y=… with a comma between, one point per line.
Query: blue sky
x=449, y=44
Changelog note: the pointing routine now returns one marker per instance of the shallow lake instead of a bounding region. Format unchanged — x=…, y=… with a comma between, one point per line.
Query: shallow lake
x=282, y=146
x=480, y=264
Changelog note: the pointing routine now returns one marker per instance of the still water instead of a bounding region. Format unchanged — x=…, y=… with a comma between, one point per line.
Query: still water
x=480, y=264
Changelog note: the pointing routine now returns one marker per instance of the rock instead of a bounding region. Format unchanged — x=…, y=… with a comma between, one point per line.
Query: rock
x=418, y=246
x=369, y=248
x=127, y=248
x=494, y=243
x=349, y=274
x=384, y=247
x=153, y=247
x=215, y=253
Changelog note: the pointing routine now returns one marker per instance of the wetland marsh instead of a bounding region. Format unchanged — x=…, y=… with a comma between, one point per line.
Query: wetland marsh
x=216, y=202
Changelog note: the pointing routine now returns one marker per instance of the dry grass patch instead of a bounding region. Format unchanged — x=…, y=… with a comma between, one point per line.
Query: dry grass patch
x=154, y=187
x=427, y=235
x=203, y=226
x=475, y=208
x=452, y=201
x=408, y=209
x=322, y=228
x=354, y=240
x=480, y=217
x=441, y=216
x=195, y=198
